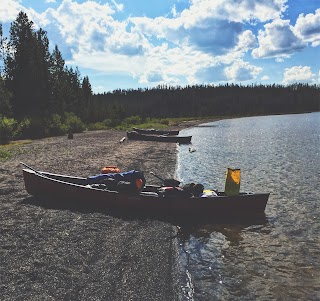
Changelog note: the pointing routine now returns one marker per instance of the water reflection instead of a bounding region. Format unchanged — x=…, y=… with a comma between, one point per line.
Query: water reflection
x=206, y=248
x=228, y=227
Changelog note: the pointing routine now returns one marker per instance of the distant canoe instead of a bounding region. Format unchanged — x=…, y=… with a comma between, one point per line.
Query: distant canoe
x=133, y=135
x=156, y=132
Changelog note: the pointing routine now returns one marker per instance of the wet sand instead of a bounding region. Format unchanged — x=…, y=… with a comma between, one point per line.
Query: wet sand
x=53, y=253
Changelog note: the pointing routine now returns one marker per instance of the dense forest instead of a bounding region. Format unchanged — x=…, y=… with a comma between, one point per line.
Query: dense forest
x=209, y=100
x=41, y=96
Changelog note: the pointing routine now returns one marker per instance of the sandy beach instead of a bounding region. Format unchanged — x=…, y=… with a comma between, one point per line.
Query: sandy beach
x=52, y=253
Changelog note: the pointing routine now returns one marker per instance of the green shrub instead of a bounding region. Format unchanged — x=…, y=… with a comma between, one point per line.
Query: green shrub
x=164, y=121
x=55, y=126
x=112, y=123
x=96, y=126
x=108, y=123
x=23, y=128
x=7, y=129
x=132, y=120
x=73, y=123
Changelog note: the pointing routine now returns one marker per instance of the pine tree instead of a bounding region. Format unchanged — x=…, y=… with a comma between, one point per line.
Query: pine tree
x=58, y=82
x=5, y=96
x=27, y=68
x=87, y=97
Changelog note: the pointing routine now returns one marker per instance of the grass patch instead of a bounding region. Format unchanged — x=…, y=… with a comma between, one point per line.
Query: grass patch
x=7, y=150
x=149, y=123
x=4, y=155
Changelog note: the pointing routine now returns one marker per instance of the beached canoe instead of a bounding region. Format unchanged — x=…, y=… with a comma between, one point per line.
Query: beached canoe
x=156, y=132
x=133, y=135
x=64, y=188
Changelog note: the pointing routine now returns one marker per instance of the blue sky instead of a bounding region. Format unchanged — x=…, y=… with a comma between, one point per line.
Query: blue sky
x=138, y=43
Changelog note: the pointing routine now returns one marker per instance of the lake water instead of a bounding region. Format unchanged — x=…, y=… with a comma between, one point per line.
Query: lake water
x=276, y=258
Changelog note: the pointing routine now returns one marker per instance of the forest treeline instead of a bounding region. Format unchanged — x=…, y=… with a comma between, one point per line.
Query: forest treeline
x=209, y=100
x=41, y=96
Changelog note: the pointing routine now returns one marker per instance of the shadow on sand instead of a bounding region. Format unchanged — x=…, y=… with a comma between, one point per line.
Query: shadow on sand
x=186, y=224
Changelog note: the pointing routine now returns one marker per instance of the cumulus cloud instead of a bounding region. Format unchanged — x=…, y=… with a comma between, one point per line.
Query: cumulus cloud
x=215, y=36
x=199, y=37
x=211, y=26
x=211, y=75
x=90, y=26
x=241, y=71
x=175, y=65
x=234, y=10
x=302, y=74
x=151, y=76
x=205, y=41
x=246, y=41
x=119, y=7
x=308, y=28
x=277, y=40
x=10, y=10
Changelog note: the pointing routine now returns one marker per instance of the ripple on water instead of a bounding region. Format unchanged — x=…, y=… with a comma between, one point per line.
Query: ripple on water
x=274, y=259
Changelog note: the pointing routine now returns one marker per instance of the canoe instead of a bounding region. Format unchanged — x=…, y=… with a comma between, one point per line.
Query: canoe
x=133, y=135
x=156, y=132
x=65, y=189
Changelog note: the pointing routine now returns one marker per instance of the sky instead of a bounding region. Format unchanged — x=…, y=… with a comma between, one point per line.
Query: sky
x=130, y=44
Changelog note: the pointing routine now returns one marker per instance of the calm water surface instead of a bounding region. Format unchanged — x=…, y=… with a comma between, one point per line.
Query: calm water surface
x=276, y=258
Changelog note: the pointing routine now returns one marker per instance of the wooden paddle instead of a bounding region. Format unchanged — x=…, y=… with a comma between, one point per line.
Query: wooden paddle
x=167, y=182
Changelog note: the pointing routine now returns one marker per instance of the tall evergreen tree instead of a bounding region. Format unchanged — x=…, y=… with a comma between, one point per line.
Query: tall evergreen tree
x=5, y=96
x=58, y=82
x=27, y=68
x=74, y=99
x=87, y=98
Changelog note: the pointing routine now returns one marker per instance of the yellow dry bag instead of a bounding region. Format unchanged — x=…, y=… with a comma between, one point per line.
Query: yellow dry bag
x=232, y=186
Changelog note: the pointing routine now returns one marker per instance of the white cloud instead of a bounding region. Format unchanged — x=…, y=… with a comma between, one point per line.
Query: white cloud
x=247, y=41
x=234, y=10
x=298, y=74
x=265, y=77
x=119, y=7
x=308, y=28
x=198, y=41
x=214, y=26
x=277, y=40
x=241, y=71
x=10, y=10
x=190, y=45
x=90, y=26
x=50, y=1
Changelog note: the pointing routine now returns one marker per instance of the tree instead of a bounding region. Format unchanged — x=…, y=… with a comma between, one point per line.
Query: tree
x=58, y=82
x=5, y=95
x=87, y=97
x=27, y=68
